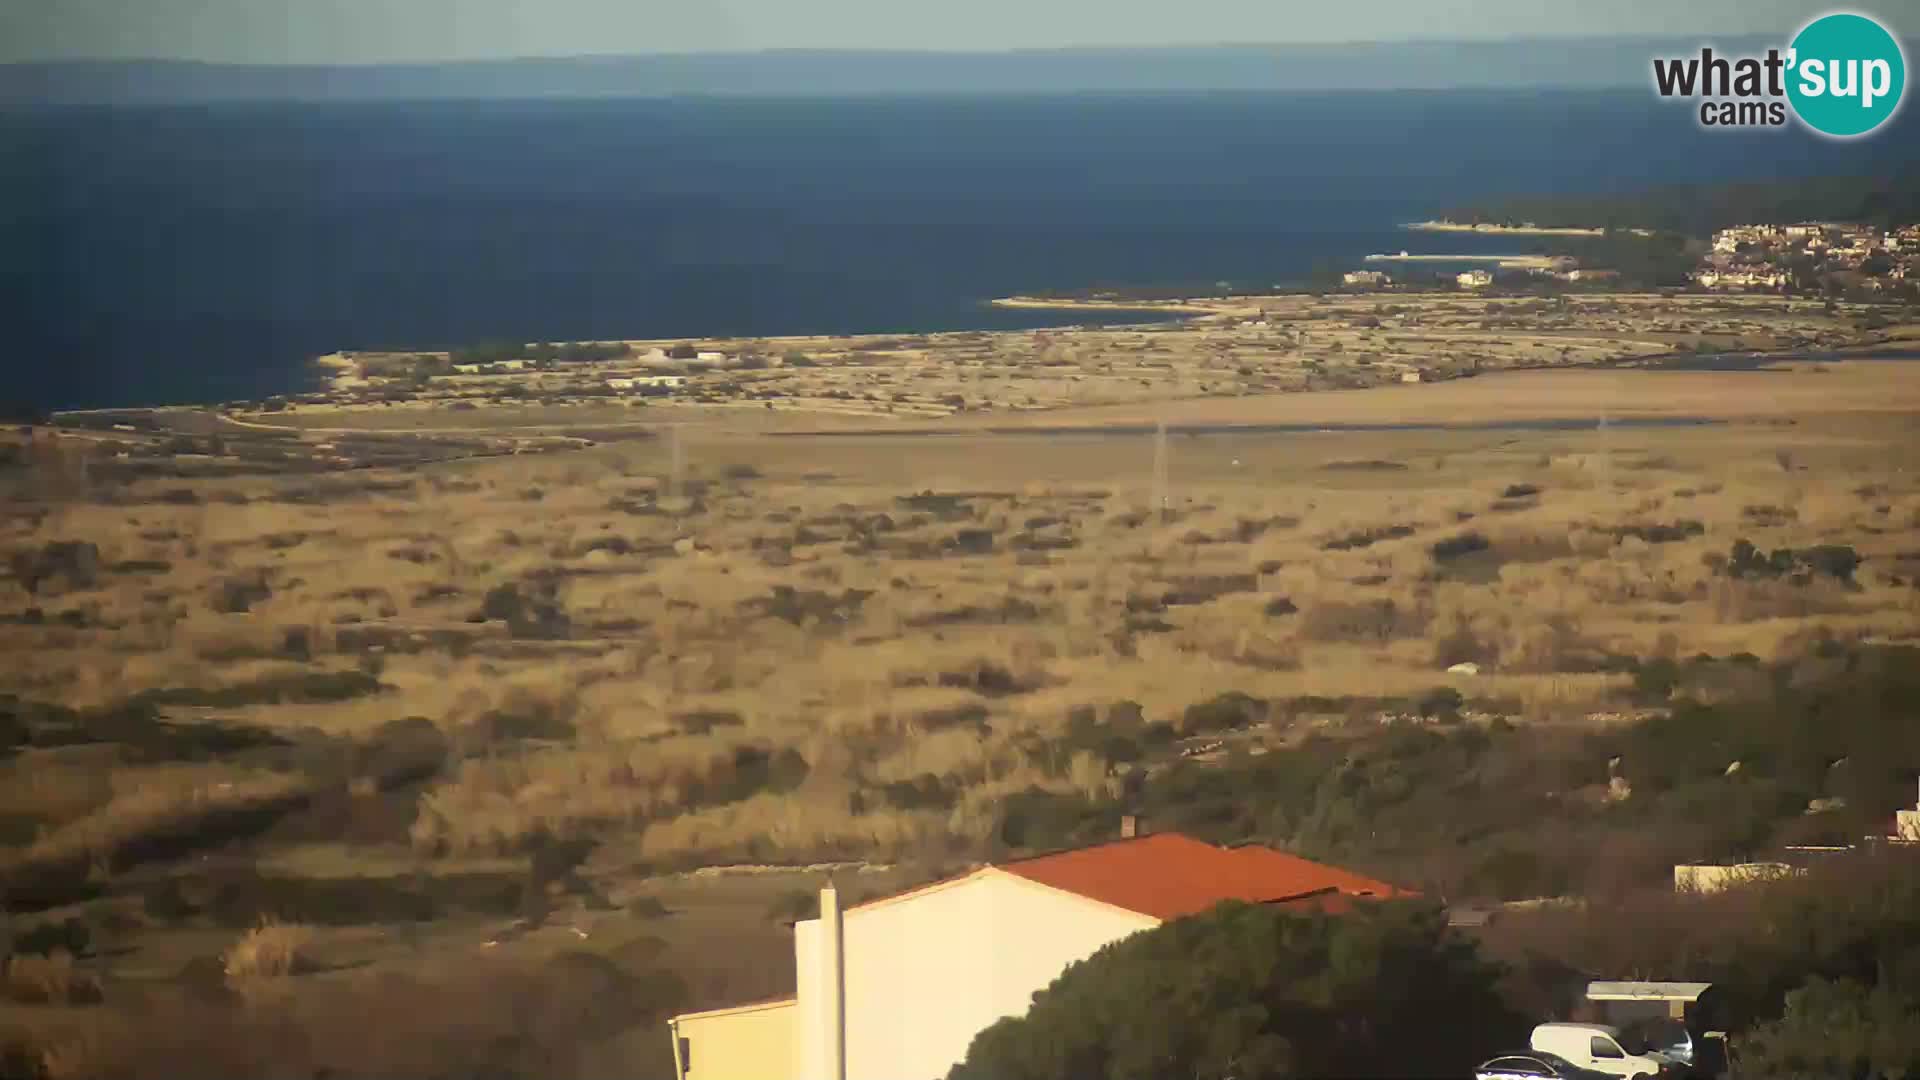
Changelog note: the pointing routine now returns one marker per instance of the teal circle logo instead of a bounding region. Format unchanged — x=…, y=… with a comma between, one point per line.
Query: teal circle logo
x=1846, y=75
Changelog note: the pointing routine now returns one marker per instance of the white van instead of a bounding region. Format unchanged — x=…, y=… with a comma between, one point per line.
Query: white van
x=1602, y=1049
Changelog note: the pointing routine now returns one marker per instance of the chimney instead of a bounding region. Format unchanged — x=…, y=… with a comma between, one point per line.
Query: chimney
x=1129, y=826
x=833, y=957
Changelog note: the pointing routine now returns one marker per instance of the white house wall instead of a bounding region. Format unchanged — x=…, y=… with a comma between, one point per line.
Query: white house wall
x=926, y=973
x=810, y=1019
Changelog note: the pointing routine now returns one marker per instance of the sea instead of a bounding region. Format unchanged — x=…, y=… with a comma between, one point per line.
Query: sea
x=192, y=254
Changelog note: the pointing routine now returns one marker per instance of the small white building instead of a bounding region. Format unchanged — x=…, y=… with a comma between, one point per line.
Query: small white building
x=1475, y=279
x=897, y=988
x=1906, y=824
x=1366, y=278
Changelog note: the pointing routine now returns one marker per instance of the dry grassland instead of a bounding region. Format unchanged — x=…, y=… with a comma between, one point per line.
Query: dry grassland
x=851, y=647
x=1222, y=349
x=805, y=601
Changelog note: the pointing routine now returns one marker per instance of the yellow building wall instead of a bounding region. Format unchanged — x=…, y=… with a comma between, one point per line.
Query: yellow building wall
x=1709, y=879
x=752, y=1043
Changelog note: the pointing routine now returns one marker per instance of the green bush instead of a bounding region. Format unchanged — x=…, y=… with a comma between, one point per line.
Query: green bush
x=1825, y=560
x=1840, y=1029
x=794, y=906
x=1226, y=712
x=1246, y=990
x=1454, y=547
x=69, y=934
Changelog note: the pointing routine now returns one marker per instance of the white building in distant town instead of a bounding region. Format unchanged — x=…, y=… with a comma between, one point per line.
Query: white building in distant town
x=479, y=369
x=1475, y=279
x=1366, y=278
x=1741, y=278
x=636, y=381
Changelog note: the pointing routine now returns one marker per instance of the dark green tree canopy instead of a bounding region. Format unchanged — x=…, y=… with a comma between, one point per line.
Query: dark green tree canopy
x=1841, y=1029
x=1247, y=992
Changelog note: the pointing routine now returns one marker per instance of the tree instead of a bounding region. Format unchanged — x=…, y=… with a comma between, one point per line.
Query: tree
x=1837, y=1028
x=1250, y=992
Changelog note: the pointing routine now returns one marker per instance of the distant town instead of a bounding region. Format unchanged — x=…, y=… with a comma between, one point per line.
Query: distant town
x=1803, y=255
x=1857, y=261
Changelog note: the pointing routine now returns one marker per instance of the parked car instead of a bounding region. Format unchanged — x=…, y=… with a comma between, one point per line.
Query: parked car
x=1698, y=1053
x=1533, y=1065
x=1604, y=1049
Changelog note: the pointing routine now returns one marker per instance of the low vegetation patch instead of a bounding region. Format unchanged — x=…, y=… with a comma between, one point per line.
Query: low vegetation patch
x=270, y=950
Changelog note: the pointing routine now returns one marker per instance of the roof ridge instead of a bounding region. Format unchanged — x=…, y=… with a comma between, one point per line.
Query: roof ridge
x=1114, y=842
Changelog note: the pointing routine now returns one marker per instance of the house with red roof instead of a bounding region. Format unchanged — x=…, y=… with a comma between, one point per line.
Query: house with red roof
x=896, y=988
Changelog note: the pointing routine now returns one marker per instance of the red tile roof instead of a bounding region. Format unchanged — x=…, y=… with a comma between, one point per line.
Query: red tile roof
x=1167, y=875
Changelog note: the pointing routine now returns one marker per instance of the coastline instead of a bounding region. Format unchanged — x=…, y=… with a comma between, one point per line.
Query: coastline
x=1500, y=230
x=1504, y=262
x=1183, y=307
x=1515, y=230
x=1286, y=343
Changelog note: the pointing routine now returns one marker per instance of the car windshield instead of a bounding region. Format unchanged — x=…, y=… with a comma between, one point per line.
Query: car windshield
x=1631, y=1042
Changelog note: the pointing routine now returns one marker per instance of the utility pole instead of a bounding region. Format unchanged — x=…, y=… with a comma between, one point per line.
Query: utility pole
x=1606, y=457
x=1160, y=470
x=677, y=461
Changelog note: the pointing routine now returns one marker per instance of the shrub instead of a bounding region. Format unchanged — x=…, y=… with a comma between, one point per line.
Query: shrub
x=1247, y=990
x=1661, y=534
x=924, y=792
x=1226, y=712
x=78, y=561
x=1372, y=621
x=1462, y=643
x=1838, y=1028
x=532, y=613
x=49, y=979
x=1746, y=561
x=648, y=907
x=1440, y=701
x=1367, y=538
x=237, y=595
x=1454, y=547
x=794, y=906
x=69, y=935
x=270, y=950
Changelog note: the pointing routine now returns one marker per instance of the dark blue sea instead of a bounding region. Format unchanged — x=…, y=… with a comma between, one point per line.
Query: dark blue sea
x=190, y=254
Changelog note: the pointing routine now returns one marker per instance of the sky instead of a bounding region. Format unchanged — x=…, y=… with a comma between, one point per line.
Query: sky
x=373, y=31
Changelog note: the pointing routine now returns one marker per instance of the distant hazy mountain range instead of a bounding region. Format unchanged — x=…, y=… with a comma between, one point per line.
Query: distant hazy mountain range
x=1571, y=63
